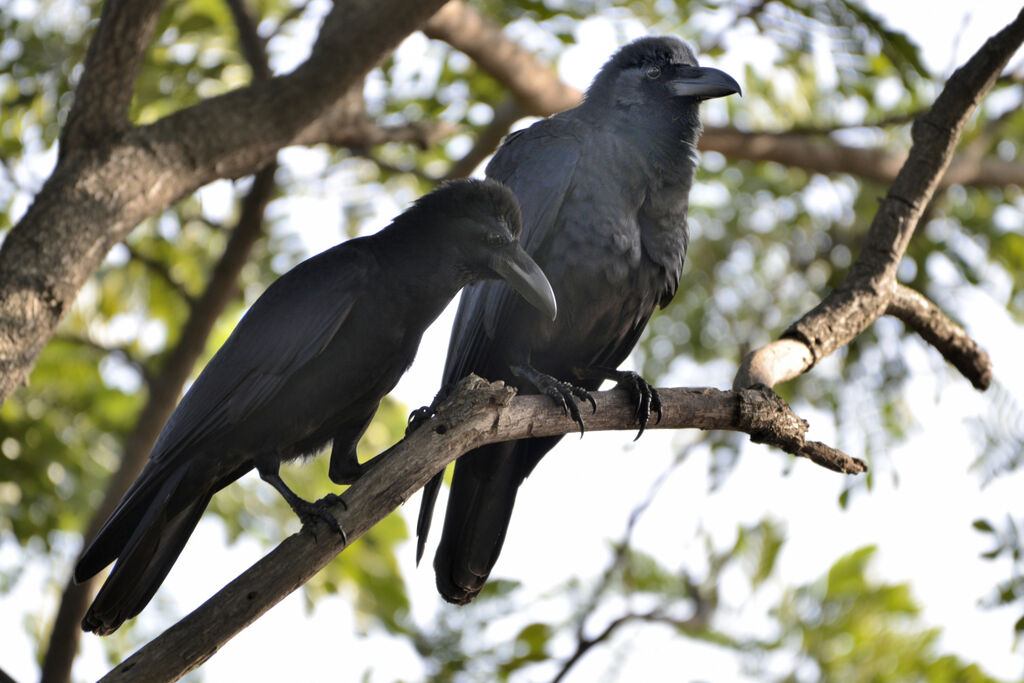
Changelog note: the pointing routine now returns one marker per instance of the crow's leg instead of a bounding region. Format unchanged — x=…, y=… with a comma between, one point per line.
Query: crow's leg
x=644, y=396
x=306, y=511
x=563, y=393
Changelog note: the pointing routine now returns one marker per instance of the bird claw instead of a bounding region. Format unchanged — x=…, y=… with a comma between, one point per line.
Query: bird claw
x=565, y=395
x=418, y=418
x=310, y=512
x=644, y=395
x=562, y=393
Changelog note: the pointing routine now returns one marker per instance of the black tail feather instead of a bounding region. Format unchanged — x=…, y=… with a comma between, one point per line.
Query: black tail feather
x=146, y=534
x=480, y=506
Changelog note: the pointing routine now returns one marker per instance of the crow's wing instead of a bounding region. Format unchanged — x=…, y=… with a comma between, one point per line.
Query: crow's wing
x=287, y=327
x=537, y=164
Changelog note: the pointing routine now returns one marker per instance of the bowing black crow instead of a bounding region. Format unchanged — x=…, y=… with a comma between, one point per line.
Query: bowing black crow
x=308, y=364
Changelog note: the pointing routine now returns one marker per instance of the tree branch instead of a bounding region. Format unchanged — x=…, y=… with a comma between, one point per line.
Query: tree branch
x=935, y=327
x=103, y=96
x=253, y=47
x=618, y=562
x=5, y=678
x=96, y=196
x=655, y=616
x=160, y=269
x=476, y=414
x=345, y=124
x=871, y=283
x=537, y=91
x=801, y=151
x=536, y=87
x=506, y=113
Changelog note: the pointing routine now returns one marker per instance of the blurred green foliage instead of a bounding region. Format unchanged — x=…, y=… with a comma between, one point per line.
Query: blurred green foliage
x=767, y=241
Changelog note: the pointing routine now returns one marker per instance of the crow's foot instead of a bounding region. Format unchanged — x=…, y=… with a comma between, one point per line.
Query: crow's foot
x=644, y=396
x=418, y=417
x=562, y=393
x=310, y=512
x=307, y=512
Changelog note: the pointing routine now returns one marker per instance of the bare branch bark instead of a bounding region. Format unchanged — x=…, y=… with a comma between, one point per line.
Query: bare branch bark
x=103, y=96
x=96, y=196
x=476, y=414
x=871, y=283
x=780, y=361
x=935, y=327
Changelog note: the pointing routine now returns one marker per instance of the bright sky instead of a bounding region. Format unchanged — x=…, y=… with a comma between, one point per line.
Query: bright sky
x=922, y=527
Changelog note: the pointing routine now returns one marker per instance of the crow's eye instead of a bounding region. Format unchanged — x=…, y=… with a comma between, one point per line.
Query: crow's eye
x=495, y=240
x=653, y=72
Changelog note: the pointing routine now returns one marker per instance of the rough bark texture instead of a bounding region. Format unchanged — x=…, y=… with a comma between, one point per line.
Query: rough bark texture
x=477, y=414
x=925, y=318
x=109, y=178
x=112, y=64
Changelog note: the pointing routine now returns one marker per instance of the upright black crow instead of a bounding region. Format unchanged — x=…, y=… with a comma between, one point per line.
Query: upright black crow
x=604, y=192
x=308, y=363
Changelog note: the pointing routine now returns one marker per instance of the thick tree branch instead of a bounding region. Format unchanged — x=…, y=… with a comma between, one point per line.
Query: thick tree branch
x=100, y=109
x=869, y=287
x=476, y=414
x=96, y=196
x=536, y=87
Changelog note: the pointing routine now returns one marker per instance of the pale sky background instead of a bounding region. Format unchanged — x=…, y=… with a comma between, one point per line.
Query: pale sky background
x=922, y=526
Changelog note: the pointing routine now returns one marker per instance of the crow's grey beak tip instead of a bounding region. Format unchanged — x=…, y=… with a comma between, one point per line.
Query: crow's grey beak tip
x=525, y=276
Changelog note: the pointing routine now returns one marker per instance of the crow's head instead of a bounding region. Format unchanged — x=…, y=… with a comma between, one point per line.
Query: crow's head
x=652, y=70
x=479, y=221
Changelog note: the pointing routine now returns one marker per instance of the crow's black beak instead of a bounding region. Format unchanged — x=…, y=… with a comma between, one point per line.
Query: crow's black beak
x=524, y=275
x=704, y=83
